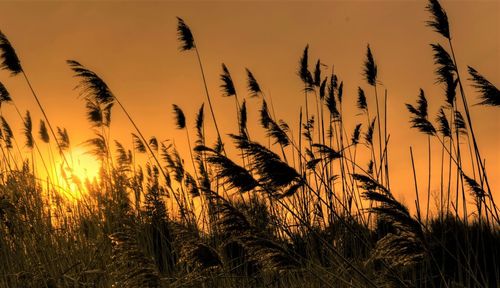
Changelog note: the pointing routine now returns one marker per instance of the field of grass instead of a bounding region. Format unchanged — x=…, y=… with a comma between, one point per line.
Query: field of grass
x=306, y=206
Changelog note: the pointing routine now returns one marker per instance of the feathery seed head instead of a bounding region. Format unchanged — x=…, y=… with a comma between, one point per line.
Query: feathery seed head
x=439, y=20
x=445, y=65
x=419, y=117
x=444, y=125
x=340, y=91
x=184, y=35
x=28, y=128
x=4, y=95
x=317, y=74
x=63, y=138
x=356, y=134
x=370, y=69
x=180, y=119
x=138, y=144
x=451, y=92
x=489, y=93
x=304, y=73
x=44, y=134
x=362, y=104
x=7, y=134
x=322, y=89
x=10, y=61
x=253, y=85
x=227, y=85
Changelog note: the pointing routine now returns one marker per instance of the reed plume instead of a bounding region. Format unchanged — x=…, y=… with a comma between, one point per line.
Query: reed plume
x=199, y=125
x=227, y=86
x=28, y=128
x=446, y=68
x=4, y=95
x=274, y=130
x=362, y=105
x=153, y=143
x=322, y=88
x=139, y=146
x=10, y=61
x=91, y=85
x=184, y=35
x=98, y=146
x=444, y=125
x=180, y=119
x=273, y=173
x=370, y=68
x=317, y=74
x=252, y=84
x=439, y=20
x=303, y=72
x=489, y=93
x=7, y=134
x=232, y=175
x=420, y=119
x=43, y=133
x=451, y=89
x=63, y=138
x=476, y=189
x=356, y=134
x=327, y=153
x=331, y=102
x=460, y=126
x=369, y=133
x=340, y=91
x=122, y=158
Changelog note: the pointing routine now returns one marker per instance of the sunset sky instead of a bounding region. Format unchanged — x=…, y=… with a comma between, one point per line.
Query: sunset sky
x=133, y=46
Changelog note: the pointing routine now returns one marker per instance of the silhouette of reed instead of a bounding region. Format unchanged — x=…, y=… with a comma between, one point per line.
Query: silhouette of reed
x=292, y=208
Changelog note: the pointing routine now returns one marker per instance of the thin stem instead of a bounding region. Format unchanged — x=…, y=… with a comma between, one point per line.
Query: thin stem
x=207, y=94
x=417, y=201
x=379, y=130
x=428, y=179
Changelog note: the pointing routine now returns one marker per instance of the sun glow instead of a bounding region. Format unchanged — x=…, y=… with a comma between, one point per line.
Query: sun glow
x=83, y=167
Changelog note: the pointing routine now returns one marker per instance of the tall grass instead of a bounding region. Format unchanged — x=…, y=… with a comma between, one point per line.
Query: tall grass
x=291, y=209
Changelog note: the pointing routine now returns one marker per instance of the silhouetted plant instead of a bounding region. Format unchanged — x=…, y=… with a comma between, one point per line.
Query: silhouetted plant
x=489, y=93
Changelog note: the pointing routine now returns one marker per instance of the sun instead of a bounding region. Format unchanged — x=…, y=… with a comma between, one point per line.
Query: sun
x=83, y=167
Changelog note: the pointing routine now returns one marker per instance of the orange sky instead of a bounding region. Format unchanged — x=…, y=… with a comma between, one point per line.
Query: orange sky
x=133, y=47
